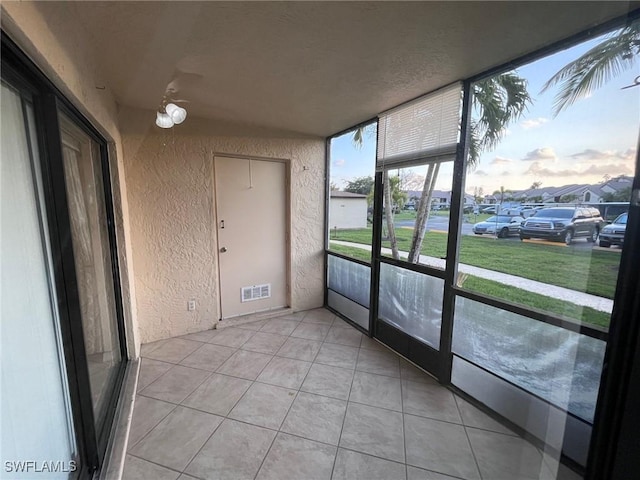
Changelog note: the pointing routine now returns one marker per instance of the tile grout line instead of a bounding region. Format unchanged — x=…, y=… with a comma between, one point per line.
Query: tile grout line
x=201, y=447
x=344, y=419
x=174, y=365
x=129, y=448
x=253, y=382
x=179, y=404
x=154, y=463
x=466, y=433
x=283, y=419
x=176, y=405
x=212, y=372
x=404, y=429
x=226, y=417
x=261, y=383
x=250, y=379
x=297, y=392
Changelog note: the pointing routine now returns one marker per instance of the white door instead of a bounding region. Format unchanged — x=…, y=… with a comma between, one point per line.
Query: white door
x=251, y=198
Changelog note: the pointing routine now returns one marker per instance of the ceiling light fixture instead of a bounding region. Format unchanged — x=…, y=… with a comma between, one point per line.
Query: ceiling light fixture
x=163, y=120
x=177, y=114
x=170, y=114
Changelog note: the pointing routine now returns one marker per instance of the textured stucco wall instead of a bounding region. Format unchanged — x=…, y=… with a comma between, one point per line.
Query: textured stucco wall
x=171, y=199
x=58, y=44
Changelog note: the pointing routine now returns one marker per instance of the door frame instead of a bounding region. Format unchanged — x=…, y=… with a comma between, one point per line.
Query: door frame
x=287, y=221
x=439, y=361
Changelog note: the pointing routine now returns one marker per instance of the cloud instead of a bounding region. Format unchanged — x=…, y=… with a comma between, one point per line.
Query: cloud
x=501, y=161
x=591, y=154
x=339, y=163
x=506, y=173
x=610, y=169
x=480, y=173
x=538, y=170
x=541, y=154
x=533, y=123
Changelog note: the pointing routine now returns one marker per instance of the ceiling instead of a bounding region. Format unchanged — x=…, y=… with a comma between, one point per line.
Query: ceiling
x=313, y=68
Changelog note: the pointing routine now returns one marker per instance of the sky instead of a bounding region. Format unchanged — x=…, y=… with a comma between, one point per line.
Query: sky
x=594, y=137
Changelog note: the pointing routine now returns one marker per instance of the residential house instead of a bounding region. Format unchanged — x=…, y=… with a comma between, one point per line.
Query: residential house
x=347, y=210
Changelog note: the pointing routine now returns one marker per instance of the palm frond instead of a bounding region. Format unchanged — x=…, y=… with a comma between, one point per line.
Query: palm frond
x=577, y=79
x=358, y=137
x=498, y=100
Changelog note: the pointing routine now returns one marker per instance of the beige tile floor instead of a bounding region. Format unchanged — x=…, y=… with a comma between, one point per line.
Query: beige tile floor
x=308, y=397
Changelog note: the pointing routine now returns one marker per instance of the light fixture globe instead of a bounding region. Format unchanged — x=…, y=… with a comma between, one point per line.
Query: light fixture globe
x=163, y=120
x=177, y=114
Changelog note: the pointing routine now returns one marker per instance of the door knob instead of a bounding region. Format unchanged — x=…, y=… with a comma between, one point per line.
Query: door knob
x=223, y=249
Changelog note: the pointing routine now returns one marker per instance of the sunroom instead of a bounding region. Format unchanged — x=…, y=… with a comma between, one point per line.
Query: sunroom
x=182, y=299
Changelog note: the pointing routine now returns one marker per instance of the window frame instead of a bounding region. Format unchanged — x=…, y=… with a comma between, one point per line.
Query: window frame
x=48, y=101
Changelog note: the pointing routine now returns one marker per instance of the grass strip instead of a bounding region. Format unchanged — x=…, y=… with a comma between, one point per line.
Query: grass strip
x=554, y=306
x=584, y=270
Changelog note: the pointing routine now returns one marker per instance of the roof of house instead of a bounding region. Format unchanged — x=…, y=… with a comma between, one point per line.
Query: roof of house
x=339, y=194
x=436, y=194
x=573, y=189
x=618, y=183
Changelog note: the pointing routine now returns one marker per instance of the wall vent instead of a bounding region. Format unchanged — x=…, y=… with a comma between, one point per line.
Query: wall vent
x=256, y=292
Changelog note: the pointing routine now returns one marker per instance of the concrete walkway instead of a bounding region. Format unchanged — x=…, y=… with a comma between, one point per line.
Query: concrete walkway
x=553, y=291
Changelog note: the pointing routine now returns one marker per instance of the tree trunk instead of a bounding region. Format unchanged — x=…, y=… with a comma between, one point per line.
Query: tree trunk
x=424, y=208
x=388, y=213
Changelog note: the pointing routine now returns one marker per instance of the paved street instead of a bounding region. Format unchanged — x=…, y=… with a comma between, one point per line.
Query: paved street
x=439, y=223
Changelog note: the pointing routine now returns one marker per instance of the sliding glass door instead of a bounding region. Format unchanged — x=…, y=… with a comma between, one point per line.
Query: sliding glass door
x=62, y=338
x=84, y=181
x=417, y=146
x=37, y=421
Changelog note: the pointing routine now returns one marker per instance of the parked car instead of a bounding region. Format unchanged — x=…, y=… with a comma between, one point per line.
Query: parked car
x=491, y=209
x=500, y=225
x=563, y=224
x=519, y=210
x=613, y=234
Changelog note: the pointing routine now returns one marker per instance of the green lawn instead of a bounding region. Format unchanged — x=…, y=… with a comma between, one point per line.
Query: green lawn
x=405, y=215
x=584, y=270
x=539, y=302
x=505, y=292
x=353, y=252
x=580, y=269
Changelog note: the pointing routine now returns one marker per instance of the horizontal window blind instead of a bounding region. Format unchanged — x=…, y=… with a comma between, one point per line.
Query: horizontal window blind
x=422, y=131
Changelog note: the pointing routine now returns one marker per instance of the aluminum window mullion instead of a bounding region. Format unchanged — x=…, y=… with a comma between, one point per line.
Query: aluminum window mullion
x=453, y=240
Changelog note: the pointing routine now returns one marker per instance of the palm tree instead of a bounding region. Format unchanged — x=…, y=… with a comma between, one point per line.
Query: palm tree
x=617, y=53
x=497, y=101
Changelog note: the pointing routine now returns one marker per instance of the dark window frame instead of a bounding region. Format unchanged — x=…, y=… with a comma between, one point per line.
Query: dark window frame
x=48, y=101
